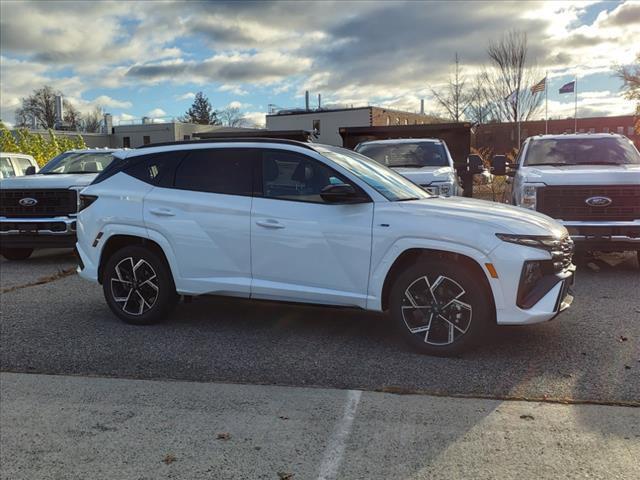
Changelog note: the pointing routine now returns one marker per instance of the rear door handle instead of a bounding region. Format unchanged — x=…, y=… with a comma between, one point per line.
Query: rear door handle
x=163, y=212
x=269, y=224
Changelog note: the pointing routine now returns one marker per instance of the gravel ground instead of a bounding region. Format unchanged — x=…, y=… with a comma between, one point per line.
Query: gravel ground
x=590, y=353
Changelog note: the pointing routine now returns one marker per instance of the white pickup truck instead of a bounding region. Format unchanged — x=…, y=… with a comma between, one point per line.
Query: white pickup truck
x=39, y=210
x=588, y=182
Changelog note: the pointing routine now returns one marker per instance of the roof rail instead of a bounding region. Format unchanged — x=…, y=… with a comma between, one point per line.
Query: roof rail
x=283, y=141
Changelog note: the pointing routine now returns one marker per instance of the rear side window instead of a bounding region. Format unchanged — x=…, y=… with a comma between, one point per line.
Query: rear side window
x=23, y=164
x=156, y=169
x=221, y=170
x=6, y=169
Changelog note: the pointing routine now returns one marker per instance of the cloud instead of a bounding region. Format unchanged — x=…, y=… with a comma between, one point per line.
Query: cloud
x=239, y=105
x=257, y=119
x=186, y=96
x=156, y=113
x=235, y=89
x=262, y=67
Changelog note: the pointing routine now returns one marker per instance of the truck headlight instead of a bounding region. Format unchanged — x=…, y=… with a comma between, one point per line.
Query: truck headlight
x=446, y=189
x=529, y=195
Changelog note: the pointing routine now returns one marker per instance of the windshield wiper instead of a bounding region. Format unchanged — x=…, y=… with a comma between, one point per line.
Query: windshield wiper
x=599, y=163
x=407, y=199
x=78, y=171
x=407, y=165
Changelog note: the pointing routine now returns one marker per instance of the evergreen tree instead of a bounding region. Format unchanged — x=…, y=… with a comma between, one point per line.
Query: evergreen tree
x=201, y=112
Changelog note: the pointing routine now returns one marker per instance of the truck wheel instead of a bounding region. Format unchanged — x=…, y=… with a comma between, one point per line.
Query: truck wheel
x=16, y=253
x=138, y=286
x=440, y=307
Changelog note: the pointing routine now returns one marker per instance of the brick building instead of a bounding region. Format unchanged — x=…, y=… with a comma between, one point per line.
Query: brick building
x=503, y=137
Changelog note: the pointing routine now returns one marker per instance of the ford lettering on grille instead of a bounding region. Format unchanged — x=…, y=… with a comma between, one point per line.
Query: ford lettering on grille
x=598, y=201
x=28, y=202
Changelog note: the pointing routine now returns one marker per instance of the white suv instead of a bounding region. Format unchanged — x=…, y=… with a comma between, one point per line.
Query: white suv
x=282, y=220
x=425, y=161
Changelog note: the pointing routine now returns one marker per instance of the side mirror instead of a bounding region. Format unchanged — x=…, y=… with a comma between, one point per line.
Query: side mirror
x=499, y=165
x=474, y=164
x=31, y=170
x=340, y=193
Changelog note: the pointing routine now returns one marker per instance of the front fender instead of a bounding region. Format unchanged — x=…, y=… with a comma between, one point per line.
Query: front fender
x=380, y=271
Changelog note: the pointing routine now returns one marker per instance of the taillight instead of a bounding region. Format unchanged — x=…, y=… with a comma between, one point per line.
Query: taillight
x=85, y=201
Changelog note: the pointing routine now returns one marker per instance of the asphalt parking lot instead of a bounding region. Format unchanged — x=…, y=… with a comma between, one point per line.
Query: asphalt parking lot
x=56, y=323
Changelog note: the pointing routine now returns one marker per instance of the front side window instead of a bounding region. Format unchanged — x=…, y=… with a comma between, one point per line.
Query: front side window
x=388, y=183
x=291, y=176
x=582, y=151
x=78, y=162
x=418, y=154
x=222, y=170
x=6, y=169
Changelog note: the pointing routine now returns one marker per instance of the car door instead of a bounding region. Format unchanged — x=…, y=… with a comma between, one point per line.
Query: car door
x=21, y=164
x=205, y=216
x=303, y=248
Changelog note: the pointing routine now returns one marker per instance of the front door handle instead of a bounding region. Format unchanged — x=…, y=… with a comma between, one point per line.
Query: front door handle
x=163, y=212
x=269, y=224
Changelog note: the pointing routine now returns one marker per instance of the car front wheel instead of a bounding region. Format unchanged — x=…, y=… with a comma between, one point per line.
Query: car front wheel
x=440, y=307
x=138, y=286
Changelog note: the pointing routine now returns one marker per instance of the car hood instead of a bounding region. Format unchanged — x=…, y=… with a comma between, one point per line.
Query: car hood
x=499, y=217
x=582, y=174
x=40, y=181
x=426, y=175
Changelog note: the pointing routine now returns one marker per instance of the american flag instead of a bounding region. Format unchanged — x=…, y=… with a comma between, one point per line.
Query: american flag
x=540, y=86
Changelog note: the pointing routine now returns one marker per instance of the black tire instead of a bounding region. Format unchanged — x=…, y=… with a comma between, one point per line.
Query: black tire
x=447, y=279
x=141, y=290
x=16, y=253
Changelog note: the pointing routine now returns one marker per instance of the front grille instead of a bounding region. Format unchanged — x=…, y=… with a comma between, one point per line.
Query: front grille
x=50, y=203
x=32, y=227
x=569, y=202
x=562, y=253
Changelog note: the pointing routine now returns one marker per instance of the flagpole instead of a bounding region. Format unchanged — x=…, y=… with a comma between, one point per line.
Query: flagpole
x=575, y=114
x=546, y=103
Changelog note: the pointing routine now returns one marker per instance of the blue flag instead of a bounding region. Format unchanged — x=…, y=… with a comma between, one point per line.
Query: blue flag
x=568, y=87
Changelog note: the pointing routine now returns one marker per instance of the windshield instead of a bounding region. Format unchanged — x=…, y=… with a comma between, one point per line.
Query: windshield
x=581, y=151
x=391, y=185
x=418, y=154
x=78, y=162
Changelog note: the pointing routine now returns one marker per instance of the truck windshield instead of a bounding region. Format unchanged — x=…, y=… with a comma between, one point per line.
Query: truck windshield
x=77, y=162
x=405, y=154
x=582, y=151
x=391, y=185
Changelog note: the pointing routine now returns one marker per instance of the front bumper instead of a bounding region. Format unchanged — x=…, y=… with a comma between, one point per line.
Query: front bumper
x=47, y=232
x=605, y=236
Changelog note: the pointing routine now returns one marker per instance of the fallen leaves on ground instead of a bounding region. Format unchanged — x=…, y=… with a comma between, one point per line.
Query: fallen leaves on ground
x=169, y=459
x=223, y=436
x=526, y=417
x=285, y=475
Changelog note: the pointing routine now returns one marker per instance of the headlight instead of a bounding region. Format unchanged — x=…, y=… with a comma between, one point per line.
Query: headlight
x=446, y=189
x=529, y=194
x=536, y=241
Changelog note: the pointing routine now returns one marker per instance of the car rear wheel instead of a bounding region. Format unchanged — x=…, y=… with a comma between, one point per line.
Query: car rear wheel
x=440, y=307
x=138, y=286
x=16, y=253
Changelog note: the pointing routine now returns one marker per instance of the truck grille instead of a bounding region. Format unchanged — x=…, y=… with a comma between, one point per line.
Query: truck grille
x=50, y=203
x=569, y=202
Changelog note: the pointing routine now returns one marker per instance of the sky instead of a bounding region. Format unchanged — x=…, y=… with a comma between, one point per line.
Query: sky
x=148, y=58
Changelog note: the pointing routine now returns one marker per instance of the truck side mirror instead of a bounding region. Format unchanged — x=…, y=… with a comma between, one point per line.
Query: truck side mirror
x=474, y=164
x=499, y=165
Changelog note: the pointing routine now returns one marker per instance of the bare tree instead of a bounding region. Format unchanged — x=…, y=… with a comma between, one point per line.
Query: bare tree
x=479, y=110
x=232, y=117
x=92, y=121
x=72, y=117
x=454, y=97
x=507, y=80
x=630, y=75
x=41, y=106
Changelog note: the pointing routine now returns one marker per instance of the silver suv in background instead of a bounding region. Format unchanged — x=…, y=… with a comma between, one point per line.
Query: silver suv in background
x=39, y=211
x=425, y=161
x=588, y=182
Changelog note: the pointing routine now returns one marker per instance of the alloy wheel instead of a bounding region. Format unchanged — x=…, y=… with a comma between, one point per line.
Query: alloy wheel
x=436, y=310
x=134, y=286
